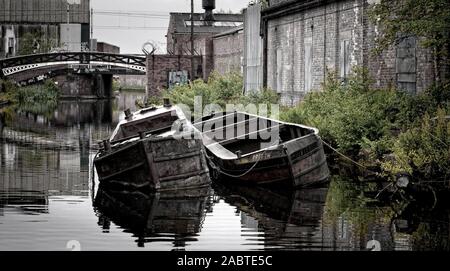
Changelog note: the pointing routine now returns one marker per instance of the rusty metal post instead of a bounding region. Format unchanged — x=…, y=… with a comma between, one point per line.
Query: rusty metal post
x=127, y=113
x=100, y=145
x=107, y=145
x=167, y=102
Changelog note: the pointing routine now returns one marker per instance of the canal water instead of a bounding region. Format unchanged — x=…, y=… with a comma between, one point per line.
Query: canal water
x=50, y=200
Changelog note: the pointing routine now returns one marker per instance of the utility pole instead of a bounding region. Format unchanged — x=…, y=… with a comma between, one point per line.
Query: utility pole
x=68, y=13
x=192, y=41
x=92, y=30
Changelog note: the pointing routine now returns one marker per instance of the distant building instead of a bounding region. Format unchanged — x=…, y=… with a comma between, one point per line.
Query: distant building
x=206, y=26
x=174, y=68
x=50, y=24
x=107, y=48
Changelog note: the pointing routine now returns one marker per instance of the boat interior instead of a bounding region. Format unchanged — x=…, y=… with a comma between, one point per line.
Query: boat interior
x=229, y=135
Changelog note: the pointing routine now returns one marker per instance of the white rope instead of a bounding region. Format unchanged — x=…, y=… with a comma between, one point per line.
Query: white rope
x=346, y=157
x=237, y=176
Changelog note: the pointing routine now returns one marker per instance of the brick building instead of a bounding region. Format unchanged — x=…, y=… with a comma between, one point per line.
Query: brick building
x=228, y=50
x=305, y=39
x=165, y=71
x=107, y=48
x=205, y=28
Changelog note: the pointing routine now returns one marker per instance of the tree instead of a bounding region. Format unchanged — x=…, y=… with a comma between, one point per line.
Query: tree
x=428, y=20
x=33, y=43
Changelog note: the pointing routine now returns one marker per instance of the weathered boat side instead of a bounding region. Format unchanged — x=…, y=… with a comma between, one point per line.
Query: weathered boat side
x=308, y=160
x=156, y=163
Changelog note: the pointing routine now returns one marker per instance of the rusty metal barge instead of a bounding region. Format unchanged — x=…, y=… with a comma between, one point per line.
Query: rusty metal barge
x=154, y=148
x=254, y=150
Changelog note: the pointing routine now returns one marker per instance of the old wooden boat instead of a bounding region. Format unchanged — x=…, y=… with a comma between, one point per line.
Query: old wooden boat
x=154, y=148
x=255, y=150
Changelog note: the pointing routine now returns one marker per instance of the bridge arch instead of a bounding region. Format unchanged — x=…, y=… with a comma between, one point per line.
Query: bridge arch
x=14, y=65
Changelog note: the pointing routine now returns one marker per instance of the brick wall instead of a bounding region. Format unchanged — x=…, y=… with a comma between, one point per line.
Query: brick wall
x=228, y=52
x=180, y=44
x=303, y=47
x=132, y=81
x=159, y=66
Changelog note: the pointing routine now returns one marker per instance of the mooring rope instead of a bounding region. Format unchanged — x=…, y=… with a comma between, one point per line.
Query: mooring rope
x=236, y=176
x=348, y=158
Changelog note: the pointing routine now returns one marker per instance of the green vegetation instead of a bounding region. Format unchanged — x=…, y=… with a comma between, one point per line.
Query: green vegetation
x=423, y=150
x=381, y=127
x=219, y=90
x=422, y=146
x=38, y=99
x=34, y=43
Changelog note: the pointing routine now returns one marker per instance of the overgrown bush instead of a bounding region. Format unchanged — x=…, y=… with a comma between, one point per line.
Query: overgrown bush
x=384, y=127
x=219, y=90
x=351, y=116
x=46, y=93
x=41, y=98
x=424, y=150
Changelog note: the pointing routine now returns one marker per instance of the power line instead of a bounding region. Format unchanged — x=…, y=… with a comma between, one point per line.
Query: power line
x=118, y=27
x=132, y=15
x=163, y=13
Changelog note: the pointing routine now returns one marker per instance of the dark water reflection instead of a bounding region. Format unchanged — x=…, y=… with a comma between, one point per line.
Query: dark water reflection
x=49, y=196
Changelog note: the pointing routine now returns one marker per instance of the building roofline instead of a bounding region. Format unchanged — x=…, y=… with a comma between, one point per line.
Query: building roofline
x=291, y=7
x=229, y=32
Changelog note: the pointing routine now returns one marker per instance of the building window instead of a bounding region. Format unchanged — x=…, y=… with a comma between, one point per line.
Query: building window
x=308, y=64
x=279, y=72
x=10, y=46
x=406, y=65
x=344, y=60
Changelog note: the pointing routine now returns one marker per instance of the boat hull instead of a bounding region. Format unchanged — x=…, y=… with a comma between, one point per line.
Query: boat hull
x=299, y=163
x=295, y=158
x=156, y=164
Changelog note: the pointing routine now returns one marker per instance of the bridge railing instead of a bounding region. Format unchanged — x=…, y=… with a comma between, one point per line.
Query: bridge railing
x=14, y=65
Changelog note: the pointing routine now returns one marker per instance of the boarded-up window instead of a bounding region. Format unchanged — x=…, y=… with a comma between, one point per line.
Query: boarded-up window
x=406, y=65
x=279, y=56
x=344, y=59
x=308, y=64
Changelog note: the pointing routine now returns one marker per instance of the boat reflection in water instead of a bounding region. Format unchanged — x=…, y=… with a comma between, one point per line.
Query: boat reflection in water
x=287, y=219
x=154, y=217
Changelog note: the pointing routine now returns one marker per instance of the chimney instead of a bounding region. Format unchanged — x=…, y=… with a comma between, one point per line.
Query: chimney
x=209, y=6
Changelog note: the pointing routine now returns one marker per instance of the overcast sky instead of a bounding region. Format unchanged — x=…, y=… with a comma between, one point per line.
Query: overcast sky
x=128, y=37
